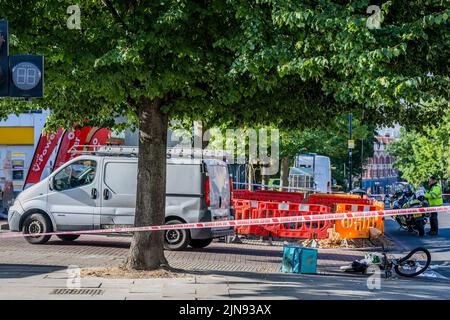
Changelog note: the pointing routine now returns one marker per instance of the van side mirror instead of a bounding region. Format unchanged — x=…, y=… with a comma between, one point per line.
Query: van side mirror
x=50, y=184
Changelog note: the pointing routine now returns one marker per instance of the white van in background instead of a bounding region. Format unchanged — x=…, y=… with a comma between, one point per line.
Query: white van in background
x=311, y=171
x=98, y=191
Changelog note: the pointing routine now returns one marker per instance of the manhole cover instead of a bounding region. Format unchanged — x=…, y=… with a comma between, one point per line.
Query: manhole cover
x=90, y=292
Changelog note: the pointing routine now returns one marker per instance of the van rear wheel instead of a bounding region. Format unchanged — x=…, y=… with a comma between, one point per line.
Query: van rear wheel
x=69, y=237
x=200, y=243
x=37, y=223
x=176, y=239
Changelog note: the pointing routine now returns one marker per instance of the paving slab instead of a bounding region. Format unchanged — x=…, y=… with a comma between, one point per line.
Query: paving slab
x=149, y=296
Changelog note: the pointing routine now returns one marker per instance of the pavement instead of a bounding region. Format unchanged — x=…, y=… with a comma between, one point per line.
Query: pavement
x=50, y=282
x=221, y=271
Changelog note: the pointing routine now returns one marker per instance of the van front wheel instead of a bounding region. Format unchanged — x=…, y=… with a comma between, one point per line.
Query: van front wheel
x=37, y=223
x=176, y=239
x=200, y=243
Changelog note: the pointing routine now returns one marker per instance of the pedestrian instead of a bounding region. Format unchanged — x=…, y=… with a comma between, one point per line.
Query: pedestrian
x=434, y=196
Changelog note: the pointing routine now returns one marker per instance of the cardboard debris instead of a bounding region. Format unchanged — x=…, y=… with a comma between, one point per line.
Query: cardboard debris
x=374, y=233
x=335, y=242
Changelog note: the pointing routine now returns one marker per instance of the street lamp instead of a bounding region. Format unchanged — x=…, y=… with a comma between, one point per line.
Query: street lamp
x=351, y=145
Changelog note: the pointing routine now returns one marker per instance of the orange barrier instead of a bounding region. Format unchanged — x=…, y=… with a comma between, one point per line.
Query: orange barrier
x=255, y=208
x=268, y=195
x=358, y=228
x=331, y=200
x=306, y=230
x=246, y=209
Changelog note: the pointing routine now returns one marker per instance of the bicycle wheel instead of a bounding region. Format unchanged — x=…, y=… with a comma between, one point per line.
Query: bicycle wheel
x=414, y=263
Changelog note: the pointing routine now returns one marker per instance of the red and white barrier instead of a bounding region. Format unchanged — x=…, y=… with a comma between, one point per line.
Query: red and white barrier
x=247, y=222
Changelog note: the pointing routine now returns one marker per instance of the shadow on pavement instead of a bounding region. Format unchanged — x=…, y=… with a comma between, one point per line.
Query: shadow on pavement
x=85, y=242
x=248, y=285
x=15, y=271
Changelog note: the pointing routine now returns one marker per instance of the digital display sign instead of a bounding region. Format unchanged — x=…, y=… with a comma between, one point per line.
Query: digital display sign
x=26, y=75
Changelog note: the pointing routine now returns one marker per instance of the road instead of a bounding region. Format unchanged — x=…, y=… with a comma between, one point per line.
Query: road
x=439, y=246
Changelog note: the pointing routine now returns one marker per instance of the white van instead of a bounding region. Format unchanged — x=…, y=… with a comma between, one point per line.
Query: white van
x=311, y=170
x=99, y=192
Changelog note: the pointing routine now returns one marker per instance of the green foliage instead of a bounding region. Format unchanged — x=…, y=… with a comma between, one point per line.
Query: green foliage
x=290, y=64
x=420, y=154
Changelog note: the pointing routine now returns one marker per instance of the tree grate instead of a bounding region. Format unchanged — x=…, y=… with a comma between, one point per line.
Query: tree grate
x=91, y=292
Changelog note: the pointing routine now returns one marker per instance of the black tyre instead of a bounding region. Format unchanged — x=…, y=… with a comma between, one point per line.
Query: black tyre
x=414, y=263
x=37, y=223
x=176, y=239
x=69, y=237
x=200, y=243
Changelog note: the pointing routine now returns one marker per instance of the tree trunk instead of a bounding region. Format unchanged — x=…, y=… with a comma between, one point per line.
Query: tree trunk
x=147, y=248
x=284, y=173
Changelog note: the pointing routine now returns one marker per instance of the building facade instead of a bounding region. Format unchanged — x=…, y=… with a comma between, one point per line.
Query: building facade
x=379, y=172
x=19, y=136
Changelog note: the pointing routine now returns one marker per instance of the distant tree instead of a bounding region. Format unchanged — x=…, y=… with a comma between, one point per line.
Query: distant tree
x=419, y=154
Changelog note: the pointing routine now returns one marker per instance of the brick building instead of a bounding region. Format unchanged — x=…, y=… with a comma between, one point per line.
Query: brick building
x=378, y=172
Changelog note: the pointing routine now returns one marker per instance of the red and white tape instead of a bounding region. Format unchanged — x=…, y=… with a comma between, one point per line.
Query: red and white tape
x=247, y=222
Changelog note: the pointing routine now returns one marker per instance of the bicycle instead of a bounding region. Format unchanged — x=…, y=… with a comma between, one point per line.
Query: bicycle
x=414, y=263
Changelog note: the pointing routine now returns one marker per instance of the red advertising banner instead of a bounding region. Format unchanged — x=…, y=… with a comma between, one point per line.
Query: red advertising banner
x=100, y=137
x=69, y=140
x=44, y=149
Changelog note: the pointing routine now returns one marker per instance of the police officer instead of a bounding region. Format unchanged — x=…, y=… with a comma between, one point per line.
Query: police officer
x=434, y=196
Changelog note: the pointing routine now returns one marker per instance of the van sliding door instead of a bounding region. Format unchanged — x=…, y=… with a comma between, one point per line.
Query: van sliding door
x=118, y=194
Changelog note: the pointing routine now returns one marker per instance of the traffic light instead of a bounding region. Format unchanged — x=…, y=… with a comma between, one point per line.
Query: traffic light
x=4, y=59
x=27, y=76
x=21, y=75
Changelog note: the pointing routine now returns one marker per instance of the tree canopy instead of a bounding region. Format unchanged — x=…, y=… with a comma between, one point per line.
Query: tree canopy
x=292, y=63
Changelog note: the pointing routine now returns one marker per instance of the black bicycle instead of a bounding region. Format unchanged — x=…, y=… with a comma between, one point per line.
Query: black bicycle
x=411, y=265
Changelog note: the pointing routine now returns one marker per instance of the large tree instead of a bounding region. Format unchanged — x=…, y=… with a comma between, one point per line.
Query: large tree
x=286, y=63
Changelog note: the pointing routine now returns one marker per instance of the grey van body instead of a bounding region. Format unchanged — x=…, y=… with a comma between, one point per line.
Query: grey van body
x=106, y=197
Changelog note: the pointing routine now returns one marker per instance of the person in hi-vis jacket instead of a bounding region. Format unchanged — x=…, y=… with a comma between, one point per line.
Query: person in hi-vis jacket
x=434, y=196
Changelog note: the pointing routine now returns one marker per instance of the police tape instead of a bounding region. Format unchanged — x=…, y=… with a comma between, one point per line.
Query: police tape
x=318, y=217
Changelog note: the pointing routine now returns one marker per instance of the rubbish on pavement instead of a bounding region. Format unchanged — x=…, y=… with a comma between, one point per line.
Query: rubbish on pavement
x=362, y=264
x=374, y=233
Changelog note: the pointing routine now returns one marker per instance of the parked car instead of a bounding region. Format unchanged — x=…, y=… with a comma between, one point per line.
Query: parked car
x=99, y=192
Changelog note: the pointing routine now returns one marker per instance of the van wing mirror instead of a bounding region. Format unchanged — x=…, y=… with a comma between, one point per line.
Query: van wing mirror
x=50, y=184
